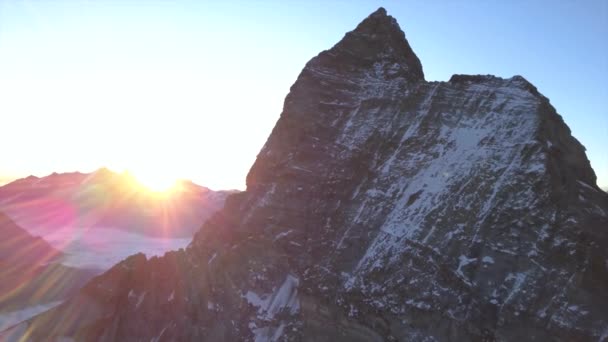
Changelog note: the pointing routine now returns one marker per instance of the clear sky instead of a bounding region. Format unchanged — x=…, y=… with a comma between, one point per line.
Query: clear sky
x=192, y=89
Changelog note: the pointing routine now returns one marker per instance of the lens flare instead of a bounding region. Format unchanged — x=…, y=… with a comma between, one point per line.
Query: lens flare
x=156, y=182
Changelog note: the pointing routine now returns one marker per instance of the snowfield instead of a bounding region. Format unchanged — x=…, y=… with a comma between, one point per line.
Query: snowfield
x=9, y=319
x=101, y=248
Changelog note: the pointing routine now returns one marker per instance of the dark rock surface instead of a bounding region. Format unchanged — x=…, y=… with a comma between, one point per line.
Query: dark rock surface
x=382, y=208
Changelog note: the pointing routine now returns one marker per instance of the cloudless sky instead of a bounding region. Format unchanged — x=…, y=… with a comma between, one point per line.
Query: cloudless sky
x=192, y=89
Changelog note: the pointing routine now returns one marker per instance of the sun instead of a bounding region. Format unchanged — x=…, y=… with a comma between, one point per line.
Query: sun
x=156, y=182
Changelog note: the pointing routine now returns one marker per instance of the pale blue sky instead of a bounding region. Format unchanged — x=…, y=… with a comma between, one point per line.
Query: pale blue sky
x=193, y=88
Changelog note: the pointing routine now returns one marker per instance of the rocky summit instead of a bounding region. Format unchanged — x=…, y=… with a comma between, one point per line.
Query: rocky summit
x=382, y=208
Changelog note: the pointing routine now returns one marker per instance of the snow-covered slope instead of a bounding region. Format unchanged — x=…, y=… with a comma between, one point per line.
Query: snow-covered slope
x=102, y=248
x=382, y=208
x=12, y=318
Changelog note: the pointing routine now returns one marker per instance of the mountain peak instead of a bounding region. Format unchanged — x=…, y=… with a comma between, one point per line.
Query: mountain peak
x=380, y=11
x=378, y=18
x=379, y=38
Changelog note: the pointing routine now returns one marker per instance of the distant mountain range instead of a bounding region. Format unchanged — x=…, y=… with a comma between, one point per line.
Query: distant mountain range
x=92, y=221
x=105, y=199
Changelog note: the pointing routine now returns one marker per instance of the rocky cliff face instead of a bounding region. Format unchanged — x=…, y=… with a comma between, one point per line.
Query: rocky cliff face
x=382, y=208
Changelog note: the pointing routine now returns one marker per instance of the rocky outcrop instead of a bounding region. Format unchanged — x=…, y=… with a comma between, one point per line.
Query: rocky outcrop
x=382, y=207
